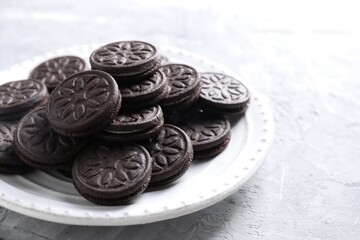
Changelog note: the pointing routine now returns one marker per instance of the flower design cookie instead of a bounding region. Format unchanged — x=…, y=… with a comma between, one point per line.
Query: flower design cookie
x=40, y=146
x=19, y=97
x=223, y=94
x=110, y=174
x=56, y=70
x=172, y=153
x=84, y=103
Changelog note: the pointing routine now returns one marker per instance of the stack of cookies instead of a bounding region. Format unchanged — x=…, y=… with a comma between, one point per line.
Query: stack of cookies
x=126, y=124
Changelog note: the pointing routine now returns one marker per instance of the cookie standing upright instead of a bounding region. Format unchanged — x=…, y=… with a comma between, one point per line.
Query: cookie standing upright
x=18, y=97
x=221, y=93
x=126, y=61
x=84, y=104
x=55, y=70
x=111, y=173
x=184, y=87
x=172, y=154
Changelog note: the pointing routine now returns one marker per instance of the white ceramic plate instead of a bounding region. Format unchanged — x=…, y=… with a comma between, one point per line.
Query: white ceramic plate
x=44, y=196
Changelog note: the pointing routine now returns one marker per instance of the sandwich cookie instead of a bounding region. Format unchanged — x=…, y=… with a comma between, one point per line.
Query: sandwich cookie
x=184, y=84
x=172, y=154
x=18, y=97
x=209, y=133
x=111, y=173
x=84, y=104
x=126, y=61
x=223, y=94
x=55, y=70
x=39, y=146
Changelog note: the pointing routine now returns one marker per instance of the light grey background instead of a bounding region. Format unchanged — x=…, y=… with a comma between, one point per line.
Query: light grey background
x=304, y=55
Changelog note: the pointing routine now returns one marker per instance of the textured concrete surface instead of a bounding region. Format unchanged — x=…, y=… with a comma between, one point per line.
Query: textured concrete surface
x=304, y=56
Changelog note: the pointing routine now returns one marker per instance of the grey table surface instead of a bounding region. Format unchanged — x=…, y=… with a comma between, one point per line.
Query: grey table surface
x=305, y=56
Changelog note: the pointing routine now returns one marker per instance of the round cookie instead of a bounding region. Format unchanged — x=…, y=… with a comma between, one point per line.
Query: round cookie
x=10, y=163
x=111, y=173
x=39, y=146
x=184, y=84
x=126, y=60
x=55, y=70
x=84, y=104
x=134, y=125
x=144, y=94
x=172, y=154
x=18, y=97
x=209, y=133
x=223, y=94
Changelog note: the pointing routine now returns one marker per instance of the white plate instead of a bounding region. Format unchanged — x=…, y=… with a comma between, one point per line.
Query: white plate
x=41, y=195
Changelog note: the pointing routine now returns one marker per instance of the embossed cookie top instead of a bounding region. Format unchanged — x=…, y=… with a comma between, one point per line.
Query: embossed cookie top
x=143, y=89
x=18, y=95
x=205, y=130
x=82, y=99
x=181, y=79
x=56, y=70
x=112, y=167
x=169, y=149
x=36, y=137
x=223, y=89
x=122, y=55
x=133, y=120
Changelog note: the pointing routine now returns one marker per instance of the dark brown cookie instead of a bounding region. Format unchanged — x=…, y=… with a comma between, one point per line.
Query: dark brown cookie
x=172, y=154
x=184, y=86
x=145, y=93
x=18, y=97
x=39, y=146
x=10, y=163
x=55, y=70
x=209, y=133
x=84, y=103
x=112, y=174
x=126, y=59
x=223, y=94
x=134, y=125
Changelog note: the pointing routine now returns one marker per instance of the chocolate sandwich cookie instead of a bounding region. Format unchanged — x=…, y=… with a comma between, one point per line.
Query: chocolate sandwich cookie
x=209, y=133
x=172, y=154
x=55, y=70
x=223, y=94
x=144, y=94
x=126, y=61
x=84, y=103
x=39, y=146
x=10, y=163
x=134, y=125
x=111, y=173
x=184, y=84
x=18, y=97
